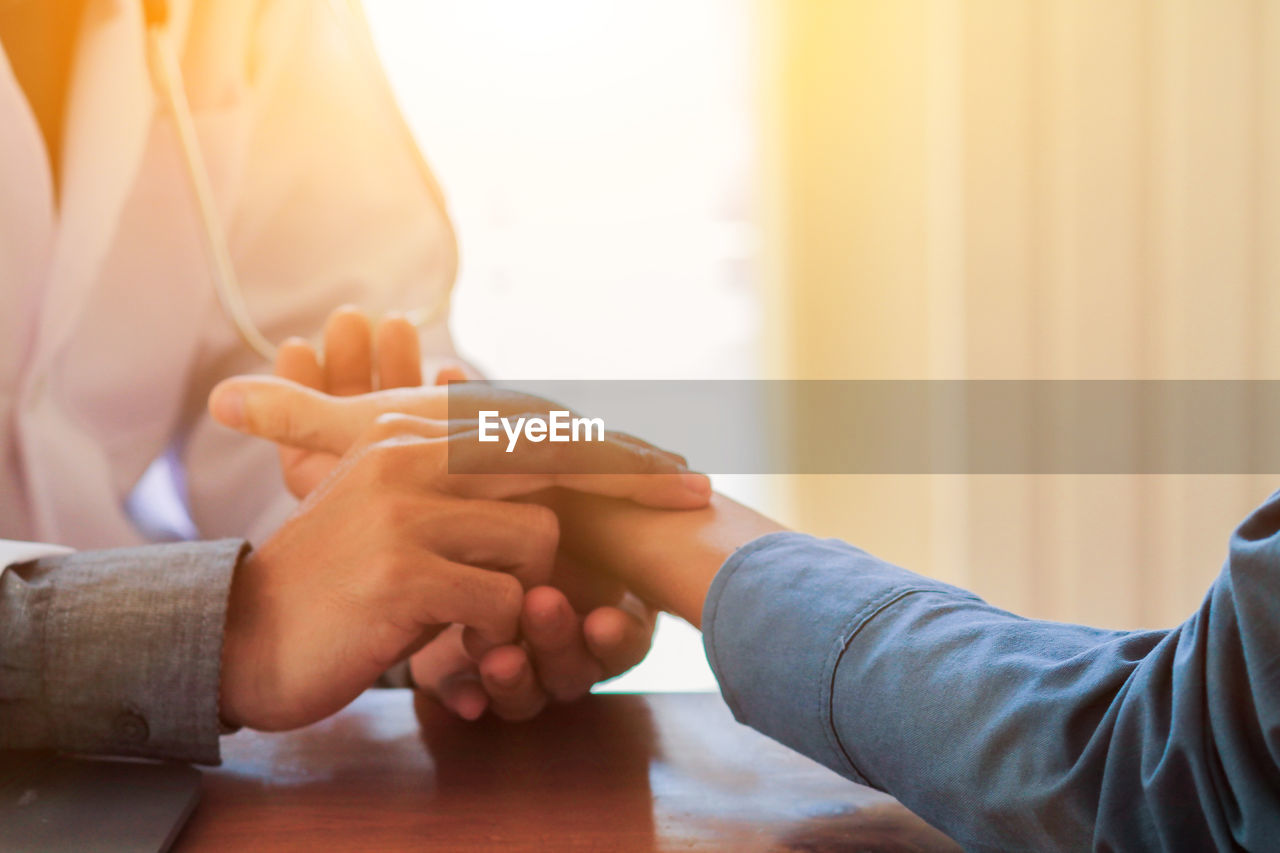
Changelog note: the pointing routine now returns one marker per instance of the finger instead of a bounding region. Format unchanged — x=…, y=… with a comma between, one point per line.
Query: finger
x=475, y=645
x=565, y=667
x=438, y=592
x=464, y=695
x=443, y=669
x=450, y=373
x=296, y=360
x=517, y=538
x=640, y=442
x=509, y=680
x=619, y=639
x=288, y=413
x=466, y=400
x=304, y=470
x=348, y=353
x=399, y=361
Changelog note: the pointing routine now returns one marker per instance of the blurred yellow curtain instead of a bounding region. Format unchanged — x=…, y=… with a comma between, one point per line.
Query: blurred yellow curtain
x=1012, y=189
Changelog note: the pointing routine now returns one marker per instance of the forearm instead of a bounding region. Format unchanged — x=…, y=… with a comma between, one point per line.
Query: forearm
x=669, y=558
x=116, y=652
x=1005, y=732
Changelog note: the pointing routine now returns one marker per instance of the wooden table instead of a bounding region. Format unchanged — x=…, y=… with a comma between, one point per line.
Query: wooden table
x=612, y=772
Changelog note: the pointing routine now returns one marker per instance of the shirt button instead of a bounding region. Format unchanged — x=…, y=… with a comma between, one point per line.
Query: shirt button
x=131, y=728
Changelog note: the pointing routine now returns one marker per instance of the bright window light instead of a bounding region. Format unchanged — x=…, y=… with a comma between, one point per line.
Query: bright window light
x=599, y=161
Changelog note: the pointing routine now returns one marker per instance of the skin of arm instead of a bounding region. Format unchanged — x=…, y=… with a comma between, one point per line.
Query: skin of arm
x=668, y=558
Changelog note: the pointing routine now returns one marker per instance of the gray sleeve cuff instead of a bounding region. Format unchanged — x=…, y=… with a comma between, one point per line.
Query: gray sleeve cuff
x=116, y=652
x=779, y=616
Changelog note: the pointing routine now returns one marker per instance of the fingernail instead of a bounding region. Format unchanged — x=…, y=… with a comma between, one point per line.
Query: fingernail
x=699, y=484
x=227, y=407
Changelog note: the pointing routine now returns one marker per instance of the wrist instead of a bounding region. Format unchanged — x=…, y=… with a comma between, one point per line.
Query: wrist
x=229, y=716
x=668, y=557
x=235, y=649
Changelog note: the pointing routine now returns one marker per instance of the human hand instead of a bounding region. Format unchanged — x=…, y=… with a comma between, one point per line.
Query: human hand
x=568, y=645
x=364, y=574
x=579, y=629
x=357, y=360
x=289, y=413
x=563, y=653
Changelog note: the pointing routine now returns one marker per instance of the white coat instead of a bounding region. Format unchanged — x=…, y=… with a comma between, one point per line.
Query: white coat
x=110, y=333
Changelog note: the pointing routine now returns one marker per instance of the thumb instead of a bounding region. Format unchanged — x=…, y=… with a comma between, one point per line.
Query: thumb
x=291, y=414
x=288, y=413
x=285, y=412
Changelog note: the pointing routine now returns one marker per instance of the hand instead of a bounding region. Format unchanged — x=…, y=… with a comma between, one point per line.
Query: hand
x=356, y=361
x=615, y=638
x=563, y=653
x=376, y=562
x=286, y=412
x=561, y=656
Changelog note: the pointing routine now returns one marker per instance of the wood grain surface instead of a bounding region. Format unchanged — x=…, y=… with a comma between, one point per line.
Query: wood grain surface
x=612, y=772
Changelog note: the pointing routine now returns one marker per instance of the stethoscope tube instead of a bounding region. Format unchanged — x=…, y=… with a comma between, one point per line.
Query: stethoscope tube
x=168, y=83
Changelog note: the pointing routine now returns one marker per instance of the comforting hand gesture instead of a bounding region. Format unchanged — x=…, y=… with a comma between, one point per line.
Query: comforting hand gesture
x=360, y=577
x=325, y=409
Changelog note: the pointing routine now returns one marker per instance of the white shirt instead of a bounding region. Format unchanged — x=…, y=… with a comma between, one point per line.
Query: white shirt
x=110, y=333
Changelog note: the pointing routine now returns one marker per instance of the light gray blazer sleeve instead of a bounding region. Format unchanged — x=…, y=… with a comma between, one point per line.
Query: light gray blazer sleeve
x=117, y=651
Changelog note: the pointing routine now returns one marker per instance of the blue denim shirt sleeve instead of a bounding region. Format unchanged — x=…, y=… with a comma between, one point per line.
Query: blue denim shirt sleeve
x=1009, y=733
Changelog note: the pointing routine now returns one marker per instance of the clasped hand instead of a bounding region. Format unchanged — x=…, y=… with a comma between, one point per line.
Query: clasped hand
x=390, y=556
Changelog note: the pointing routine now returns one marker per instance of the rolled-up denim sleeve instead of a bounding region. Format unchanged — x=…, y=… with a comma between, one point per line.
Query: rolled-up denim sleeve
x=116, y=651
x=1009, y=733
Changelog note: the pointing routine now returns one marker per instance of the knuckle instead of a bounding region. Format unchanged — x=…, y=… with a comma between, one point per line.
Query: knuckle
x=544, y=525
x=508, y=597
x=278, y=422
x=499, y=616
x=397, y=511
x=390, y=567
